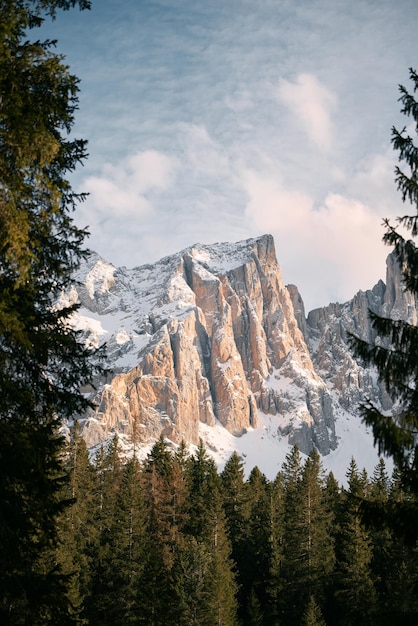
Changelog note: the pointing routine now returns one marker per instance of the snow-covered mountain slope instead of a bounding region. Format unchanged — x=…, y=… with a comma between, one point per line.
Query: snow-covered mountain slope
x=210, y=343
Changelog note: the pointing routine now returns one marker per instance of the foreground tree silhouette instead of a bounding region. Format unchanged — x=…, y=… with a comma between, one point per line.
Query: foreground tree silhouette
x=396, y=355
x=42, y=362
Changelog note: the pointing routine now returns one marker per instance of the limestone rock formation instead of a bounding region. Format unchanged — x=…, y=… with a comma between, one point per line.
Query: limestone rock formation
x=208, y=335
x=212, y=336
x=327, y=336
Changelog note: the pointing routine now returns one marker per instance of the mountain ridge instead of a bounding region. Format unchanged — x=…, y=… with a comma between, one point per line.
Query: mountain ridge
x=211, y=338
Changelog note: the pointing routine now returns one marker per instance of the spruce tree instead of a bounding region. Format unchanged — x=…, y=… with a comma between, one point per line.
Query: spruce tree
x=222, y=589
x=235, y=503
x=261, y=567
x=313, y=615
x=288, y=581
x=42, y=360
x=308, y=551
x=235, y=499
x=395, y=356
x=125, y=554
x=166, y=492
x=355, y=590
x=207, y=525
x=78, y=532
x=399, y=600
x=109, y=472
x=381, y=535
x=319, y=518
x=204, y=484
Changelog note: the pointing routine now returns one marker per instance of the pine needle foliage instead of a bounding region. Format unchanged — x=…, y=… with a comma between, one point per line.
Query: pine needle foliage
x=136, y=558
x=43, y=362
x=395, y=354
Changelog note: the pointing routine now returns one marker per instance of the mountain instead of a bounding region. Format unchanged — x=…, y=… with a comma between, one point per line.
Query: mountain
x=210, y=343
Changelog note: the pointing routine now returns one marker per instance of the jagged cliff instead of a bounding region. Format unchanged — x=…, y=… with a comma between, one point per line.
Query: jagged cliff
x=211, y=335
x=326, y=334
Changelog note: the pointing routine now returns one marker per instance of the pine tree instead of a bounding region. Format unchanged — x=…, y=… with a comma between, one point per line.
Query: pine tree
x=125, y=553
x=109, y=471
x=42, y=360
x=237, y=512
x=208, y=527
x=313, y=615
x=395, y=354
x=166, y=498
x=78, y=534
x=355, y=590
x=308, y=553
x=261, y=567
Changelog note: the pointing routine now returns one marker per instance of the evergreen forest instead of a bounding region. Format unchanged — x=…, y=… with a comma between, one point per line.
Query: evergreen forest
x=171, y=541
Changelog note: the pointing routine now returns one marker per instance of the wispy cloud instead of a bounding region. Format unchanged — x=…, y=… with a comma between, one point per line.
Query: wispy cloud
x=223, y=120
x=123, y=188
x=336, y=243
x=313, y=104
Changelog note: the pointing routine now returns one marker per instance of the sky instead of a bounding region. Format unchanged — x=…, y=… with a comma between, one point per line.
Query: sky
x=228, y=119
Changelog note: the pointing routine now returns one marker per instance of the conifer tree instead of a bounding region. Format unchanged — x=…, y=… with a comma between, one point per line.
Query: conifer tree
x=319, y=520
x=235, y=503
x=172, y=557
x=355, y=592
x=291, y=475
x=276, y=542
x=333, y=500
x=254, y=611
x=313, y=615
x=398, y=599
x=395, y=356
x=42, y=360
x=308, y=554
x=109, y=472
x=223, y=588
x=207, y=525
x=78, y=534
x=204, y=483
x=159, y=590
x=261, y=567
x=235, y=498
x=380, y=532
x=191, y=575
x=123, y=553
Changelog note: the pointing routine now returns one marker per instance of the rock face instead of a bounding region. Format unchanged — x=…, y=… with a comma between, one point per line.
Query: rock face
x=327, y=332
x=212, y=335
x=207, y=335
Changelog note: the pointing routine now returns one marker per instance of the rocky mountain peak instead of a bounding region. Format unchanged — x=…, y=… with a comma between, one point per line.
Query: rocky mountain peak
x=205, y=336
x=211, y=336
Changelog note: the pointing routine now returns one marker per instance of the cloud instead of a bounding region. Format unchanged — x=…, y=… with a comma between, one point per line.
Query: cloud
x=337, y=244
x=151, y=204
x=123, y=203
x=373, y=182
x=313, y=104
x=124, y=188
x=205, y=157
